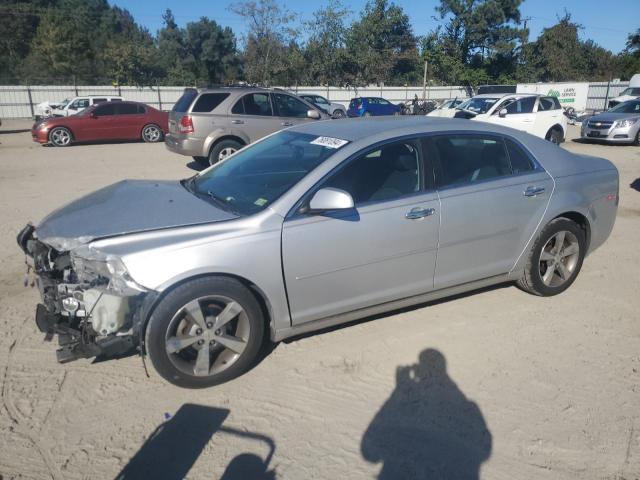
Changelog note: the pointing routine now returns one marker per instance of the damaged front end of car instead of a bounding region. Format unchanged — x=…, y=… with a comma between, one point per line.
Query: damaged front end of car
x=88, y=298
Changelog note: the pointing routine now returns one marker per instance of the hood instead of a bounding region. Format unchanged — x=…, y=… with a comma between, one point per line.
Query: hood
x=129, y=206
x=611, y=116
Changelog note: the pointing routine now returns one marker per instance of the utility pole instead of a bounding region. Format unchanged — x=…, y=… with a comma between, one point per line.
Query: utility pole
x=424, y=80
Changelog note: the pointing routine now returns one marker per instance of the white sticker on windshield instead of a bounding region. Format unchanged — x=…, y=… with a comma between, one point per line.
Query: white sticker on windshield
x=329, y=142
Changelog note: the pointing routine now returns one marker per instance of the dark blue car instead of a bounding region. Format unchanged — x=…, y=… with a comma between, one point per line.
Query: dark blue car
x=371, y=106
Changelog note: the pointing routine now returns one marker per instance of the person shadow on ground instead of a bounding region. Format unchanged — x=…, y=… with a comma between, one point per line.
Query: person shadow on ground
x=428, y=429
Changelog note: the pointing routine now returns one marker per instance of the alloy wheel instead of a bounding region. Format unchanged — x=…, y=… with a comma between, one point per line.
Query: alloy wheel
x=559, y=258
x=207, y=335
x=226, y=152
x=60, y=137
x=151, y=133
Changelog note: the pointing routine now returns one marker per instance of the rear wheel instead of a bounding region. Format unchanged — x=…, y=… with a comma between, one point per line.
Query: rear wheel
x=555, y=259
x=205, y=332
x=222, y=150
x=554, y=136
x=338, y=114
x=151, y=133
x=367, y=114
x=60, y=137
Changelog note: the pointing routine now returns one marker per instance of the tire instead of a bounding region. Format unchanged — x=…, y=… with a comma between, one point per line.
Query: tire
x=222, y=150
x=170, y=327
x=636, y=141
x=339, y=114
x=566, y=263
x=60, y=137
x=152, y=133
x=554, y=136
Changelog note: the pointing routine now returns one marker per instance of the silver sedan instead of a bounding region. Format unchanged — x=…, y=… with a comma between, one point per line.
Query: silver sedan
x=311, y=227
x=620, y=124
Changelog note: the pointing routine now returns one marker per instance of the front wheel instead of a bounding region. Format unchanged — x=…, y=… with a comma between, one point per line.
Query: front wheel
x=60, y=137
x=338, y=114
x=554, y=136
x=555, y=259
x=151, y=133
x=205, y=332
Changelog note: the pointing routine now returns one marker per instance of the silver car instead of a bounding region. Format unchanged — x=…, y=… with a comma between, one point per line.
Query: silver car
x=211, y=124
x=620, y=124
x=311, y=227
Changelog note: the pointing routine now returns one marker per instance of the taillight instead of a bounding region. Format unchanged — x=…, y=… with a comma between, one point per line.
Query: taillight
x=186, y=124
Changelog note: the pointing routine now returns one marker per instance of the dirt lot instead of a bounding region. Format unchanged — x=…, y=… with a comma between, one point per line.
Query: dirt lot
x=537, y=387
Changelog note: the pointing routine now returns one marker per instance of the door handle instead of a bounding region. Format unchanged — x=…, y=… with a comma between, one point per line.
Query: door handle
x=237, y=122
x=286, y=124
x=533, y=191
x=418, y=212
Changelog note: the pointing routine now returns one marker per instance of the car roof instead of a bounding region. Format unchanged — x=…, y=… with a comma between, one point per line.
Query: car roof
x=501, y=95
x=369, y=130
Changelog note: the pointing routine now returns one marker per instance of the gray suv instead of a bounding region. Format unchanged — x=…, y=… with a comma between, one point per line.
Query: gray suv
x=211, y=124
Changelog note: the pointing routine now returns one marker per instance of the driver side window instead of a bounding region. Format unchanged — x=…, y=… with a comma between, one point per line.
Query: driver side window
x=387, y=173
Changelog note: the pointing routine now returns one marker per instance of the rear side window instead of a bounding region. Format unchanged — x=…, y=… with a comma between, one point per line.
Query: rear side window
x=116, y=99
x=127, y=109
x=207, y=102
x=520, y=161
x=548, y=103
x=253, y=104
x=466, y=159
x=99, y=100
x=141, y=109
x=183, y=103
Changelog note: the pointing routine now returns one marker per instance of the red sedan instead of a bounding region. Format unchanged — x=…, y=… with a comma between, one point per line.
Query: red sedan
x=105, y=121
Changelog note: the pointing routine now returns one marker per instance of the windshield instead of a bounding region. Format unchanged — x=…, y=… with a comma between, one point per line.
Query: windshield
x=630, y=91
x=256, y=176
x=627, y=107
x=64, y=103
x=478, y=105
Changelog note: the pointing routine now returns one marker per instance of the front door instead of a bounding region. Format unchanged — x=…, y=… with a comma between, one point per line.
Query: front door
x=100, y=125
x=493, y=195
x=290, y=110
x=520, y=114
x=384, y=249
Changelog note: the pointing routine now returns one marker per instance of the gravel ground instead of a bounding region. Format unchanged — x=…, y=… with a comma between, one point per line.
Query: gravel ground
x=511, y=385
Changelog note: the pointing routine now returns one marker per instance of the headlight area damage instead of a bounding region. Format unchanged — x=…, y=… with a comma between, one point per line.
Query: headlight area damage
x=88, y=299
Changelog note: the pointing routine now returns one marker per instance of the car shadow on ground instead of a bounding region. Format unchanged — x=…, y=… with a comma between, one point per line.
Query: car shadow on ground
x=427, y=428
x=635, y=185
x=197, y=166
x=173, y=448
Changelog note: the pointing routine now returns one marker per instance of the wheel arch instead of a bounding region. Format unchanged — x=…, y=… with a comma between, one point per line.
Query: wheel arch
x=581, y=220
x=556, y=126
x=235, y=138
x=150, y=303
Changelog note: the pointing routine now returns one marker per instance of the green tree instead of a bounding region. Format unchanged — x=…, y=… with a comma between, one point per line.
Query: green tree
x=381, y=46
x=270, y=35
x=325, y=53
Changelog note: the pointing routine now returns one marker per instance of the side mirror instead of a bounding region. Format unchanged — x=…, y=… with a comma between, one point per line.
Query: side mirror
x=502, y=113
x=314, y=114
x=329, y=198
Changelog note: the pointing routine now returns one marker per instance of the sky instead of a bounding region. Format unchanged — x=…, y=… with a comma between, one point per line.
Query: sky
x=606, y=24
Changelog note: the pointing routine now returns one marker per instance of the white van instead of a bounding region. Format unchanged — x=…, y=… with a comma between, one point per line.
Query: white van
x=71, y=106
x=630, y=93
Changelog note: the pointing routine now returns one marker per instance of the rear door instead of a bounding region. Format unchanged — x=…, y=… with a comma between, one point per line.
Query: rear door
x=290, y=110
x=382, y=250
x=549, y=113
x=493, y=195
x=128, y=121
x=253, y=114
